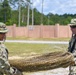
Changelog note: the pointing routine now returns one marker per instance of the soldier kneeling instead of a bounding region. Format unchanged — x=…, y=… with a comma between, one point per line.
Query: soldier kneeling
x=4, y=64
x=72, y=46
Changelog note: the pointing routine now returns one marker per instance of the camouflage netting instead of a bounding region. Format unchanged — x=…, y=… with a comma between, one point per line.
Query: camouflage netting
x=43, y=62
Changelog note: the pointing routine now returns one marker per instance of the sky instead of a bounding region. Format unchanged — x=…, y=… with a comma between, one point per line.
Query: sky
x=55, y=6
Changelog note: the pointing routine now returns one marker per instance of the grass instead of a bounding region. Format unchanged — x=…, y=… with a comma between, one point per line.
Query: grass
x=44, y=39
x=23, y=49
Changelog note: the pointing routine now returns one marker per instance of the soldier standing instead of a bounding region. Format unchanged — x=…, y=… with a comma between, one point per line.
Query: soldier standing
x=72, y=46
x=4, y=64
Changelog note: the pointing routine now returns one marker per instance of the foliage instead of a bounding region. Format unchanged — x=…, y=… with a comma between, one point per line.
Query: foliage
x=10, y=16
x=5, y=11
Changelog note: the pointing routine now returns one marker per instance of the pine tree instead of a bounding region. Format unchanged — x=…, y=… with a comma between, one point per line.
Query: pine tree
x=6, y=11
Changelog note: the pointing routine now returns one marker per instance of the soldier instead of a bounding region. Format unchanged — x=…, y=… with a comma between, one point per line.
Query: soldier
x=4, y=64
x=72, y=46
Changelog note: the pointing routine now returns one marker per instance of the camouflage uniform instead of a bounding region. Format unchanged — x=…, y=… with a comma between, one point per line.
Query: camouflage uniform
x=4, y=64
x=72, y=69
x=72, y=49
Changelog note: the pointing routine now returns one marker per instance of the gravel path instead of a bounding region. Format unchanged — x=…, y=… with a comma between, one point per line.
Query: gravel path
x=38, y=42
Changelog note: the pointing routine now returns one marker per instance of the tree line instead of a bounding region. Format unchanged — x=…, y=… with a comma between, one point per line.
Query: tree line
x=10, y=15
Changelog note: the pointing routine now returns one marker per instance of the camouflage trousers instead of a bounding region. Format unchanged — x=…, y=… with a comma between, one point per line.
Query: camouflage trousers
x=72, y=69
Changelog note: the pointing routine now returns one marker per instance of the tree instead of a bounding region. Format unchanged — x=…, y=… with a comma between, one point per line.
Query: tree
x=6, y=11
x=37, y=17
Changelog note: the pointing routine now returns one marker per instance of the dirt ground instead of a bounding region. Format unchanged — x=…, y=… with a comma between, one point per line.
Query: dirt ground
x=59, y=71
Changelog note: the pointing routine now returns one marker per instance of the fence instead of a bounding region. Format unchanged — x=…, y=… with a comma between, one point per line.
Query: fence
x=37, y=31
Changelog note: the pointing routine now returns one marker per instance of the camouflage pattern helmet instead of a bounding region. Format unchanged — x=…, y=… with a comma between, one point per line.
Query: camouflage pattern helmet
x=3, y=28
x=73, y=22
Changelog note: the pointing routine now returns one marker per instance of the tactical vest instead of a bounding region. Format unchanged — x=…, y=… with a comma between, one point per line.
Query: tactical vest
x=72, y=45
x=3, y=51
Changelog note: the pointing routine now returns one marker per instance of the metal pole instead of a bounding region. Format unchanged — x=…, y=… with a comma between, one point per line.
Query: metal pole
x=19, y=13
x=28, y=16
x=32, y=14
x=42, y=13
